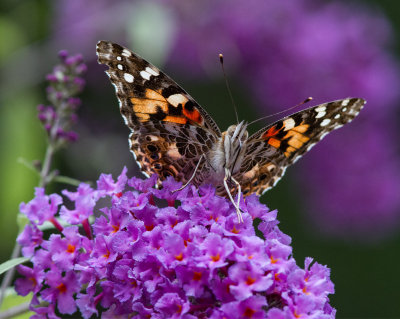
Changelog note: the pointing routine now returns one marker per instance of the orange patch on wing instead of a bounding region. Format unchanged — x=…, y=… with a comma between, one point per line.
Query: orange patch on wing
x=175, y=119
x=289, y=151
x=193, y=115
x=148, y=106
x=143, y=117
x=150, y=103
x=296, y=139
x=295, y=143
x=272, y=131
x=274, y=142
x=154, y=95
x=302, y=128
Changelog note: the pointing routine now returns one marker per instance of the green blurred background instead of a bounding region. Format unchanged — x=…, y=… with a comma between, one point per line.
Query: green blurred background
x=364, y=273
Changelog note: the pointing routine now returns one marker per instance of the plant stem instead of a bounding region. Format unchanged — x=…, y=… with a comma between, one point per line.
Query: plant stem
x=48, y=158
x=43, y=181
x=44, y=173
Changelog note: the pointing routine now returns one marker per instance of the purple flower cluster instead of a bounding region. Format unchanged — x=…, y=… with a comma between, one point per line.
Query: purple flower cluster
x=188, y=257
x=65, y=82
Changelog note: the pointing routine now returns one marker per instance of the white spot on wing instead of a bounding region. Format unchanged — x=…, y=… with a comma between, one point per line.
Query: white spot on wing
x=277, y=179
x=344, y=109
x=126, y=53
x=345, y=102
x=177, y=99
x=119, y=66
x=128, y=77
x=288, y=124
x=320, y=114
x=145, y=174
x=337, y=116
x=323, y=135
x=116, y=90
x=153, y=138
x=325, y=122
x=151, y=71
x=265, y=190
x=321, y=111
x=310, y=146
x=119, y=58
x=145, y=75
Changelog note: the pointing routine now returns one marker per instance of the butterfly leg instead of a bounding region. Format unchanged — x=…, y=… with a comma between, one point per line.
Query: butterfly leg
x=239, y=192
x=238, y=212
x=191, y=178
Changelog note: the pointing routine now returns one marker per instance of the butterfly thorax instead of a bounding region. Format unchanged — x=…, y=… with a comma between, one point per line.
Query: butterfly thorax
x=227, y=154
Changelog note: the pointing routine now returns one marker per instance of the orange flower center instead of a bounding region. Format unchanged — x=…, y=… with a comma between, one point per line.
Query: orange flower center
x=197, y=275
x=62, y=288
x=250, y=281
x=70, y=248
x=179, y=257
x=249, y=312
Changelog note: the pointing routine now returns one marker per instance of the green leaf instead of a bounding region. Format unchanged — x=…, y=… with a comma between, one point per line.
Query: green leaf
x=28, y=164
x=66, y=180
x=12, y=263
x=12, y=301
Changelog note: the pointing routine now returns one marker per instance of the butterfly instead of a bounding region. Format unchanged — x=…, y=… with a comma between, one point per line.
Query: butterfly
x=172, y=135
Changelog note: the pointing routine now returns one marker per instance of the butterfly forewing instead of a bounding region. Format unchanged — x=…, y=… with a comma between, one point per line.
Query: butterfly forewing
x=170, y=130
x=272, y=149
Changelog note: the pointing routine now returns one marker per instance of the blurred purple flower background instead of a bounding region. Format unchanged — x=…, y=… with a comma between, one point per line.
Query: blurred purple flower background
x=283, y=52
x=65, y=82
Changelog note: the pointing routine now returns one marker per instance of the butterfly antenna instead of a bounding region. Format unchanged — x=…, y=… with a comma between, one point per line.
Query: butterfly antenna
x=284, y=111
x=221, y=60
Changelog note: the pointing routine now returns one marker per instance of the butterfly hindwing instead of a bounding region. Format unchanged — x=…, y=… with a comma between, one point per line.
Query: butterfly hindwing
x=170, y=130
x=272, y=149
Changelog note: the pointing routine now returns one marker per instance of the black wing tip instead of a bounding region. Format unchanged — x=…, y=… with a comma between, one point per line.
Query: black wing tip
x=358, y=100
x=103, y=46
x=106, y=50
x=102, y=50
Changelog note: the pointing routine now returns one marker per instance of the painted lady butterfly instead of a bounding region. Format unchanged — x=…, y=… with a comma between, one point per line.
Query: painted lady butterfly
x=173, y=136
